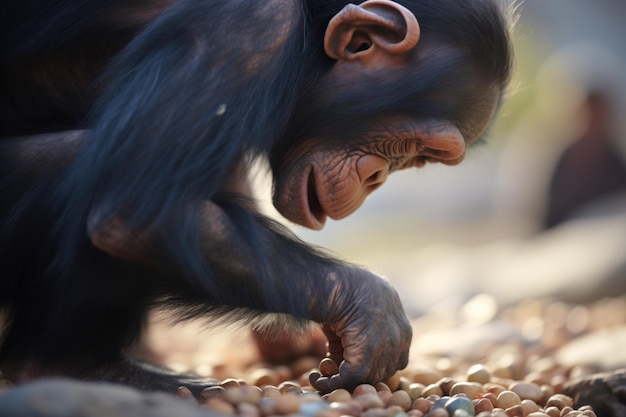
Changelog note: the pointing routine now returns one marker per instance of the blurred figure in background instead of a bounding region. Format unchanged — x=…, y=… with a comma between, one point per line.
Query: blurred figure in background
x=591, y=169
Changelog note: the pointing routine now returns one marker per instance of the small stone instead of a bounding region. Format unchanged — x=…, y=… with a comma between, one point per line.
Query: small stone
x=364, y=389
x=370, y=401
x=328, y=367
x=421, y=404
x=393, y=382
x=515, y=411
x=529, y=406
x=483, y=405
x=264, y=376
x=219, y=405
x=432, y=389
x=459, y=403
x=287, y=404
x=508, y=399
x=478, y=373
x=211, y=392
x=401, y=399
x=339, y=395
x=527, y=390
x=470, y=389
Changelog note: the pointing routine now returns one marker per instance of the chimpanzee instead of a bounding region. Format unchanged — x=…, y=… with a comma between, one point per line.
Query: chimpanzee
x=128, y=127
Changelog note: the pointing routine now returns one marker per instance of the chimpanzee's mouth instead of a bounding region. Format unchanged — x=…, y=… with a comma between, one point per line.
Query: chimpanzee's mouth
x=315, y=207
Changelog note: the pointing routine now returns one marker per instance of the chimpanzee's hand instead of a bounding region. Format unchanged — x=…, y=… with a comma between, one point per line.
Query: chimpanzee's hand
x=367, y=329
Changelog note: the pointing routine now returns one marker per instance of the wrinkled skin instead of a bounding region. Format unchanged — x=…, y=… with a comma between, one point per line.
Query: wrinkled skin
x=333, y=182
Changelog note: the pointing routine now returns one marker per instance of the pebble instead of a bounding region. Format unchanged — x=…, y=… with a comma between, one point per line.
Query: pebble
x=513, y=381
x=508, y=399
x=328, y=367
x=527, y=390
x=470, y=389
x=455, y=404
x=478, y=373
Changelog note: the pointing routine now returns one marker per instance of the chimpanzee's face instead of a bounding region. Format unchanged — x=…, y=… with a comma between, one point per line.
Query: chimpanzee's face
x=322, y=178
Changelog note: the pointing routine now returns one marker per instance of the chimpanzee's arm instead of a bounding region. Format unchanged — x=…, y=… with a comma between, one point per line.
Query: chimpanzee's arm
x=361, y=309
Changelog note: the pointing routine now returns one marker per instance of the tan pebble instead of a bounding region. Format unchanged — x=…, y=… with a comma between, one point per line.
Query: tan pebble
x=264, y=376
x=289, y=387
x=478, y=373
x=414, y=413
x=568, y=401
x=339, y=395
x=439, y=412
x=402, y=399
x=404, y=383
x=229, y=382
x=552, y=411
x=470, y=389
x=234, y=395
x=211, y=392
x=287, y=404
x=219, y=405
x=248, y=410
x=243, y=394
x=537, y=414
x=566, y=410
x=515, y=411
x=557, y=402
x=446, y=385
x=527, y=390
x=498, y=412
x=421, y=404
x=270, y=391
x=364, y=389
x=328, y=367
x=573, y=413
x=184, y=392
x=351, y=408
x=529, y=406
x=557, y=382
x=427, y=376
x=508, y=399
x=251, y=393
x=484, y=414
x=385, y=396
x=381, y=386
x=493, y=388
x=548, y=391
x=393, y=382
x=370, y=401
x=415, y=390
x=483, y=405
x=589, y=413
x=432, y=389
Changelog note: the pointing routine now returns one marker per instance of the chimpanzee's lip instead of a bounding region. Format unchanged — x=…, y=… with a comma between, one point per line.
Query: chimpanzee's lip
x=316, y=214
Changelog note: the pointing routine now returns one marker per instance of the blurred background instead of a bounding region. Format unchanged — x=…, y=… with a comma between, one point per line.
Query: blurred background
x=506, y=227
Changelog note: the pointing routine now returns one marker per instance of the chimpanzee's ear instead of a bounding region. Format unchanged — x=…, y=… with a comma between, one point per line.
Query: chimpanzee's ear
x=370, y=31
